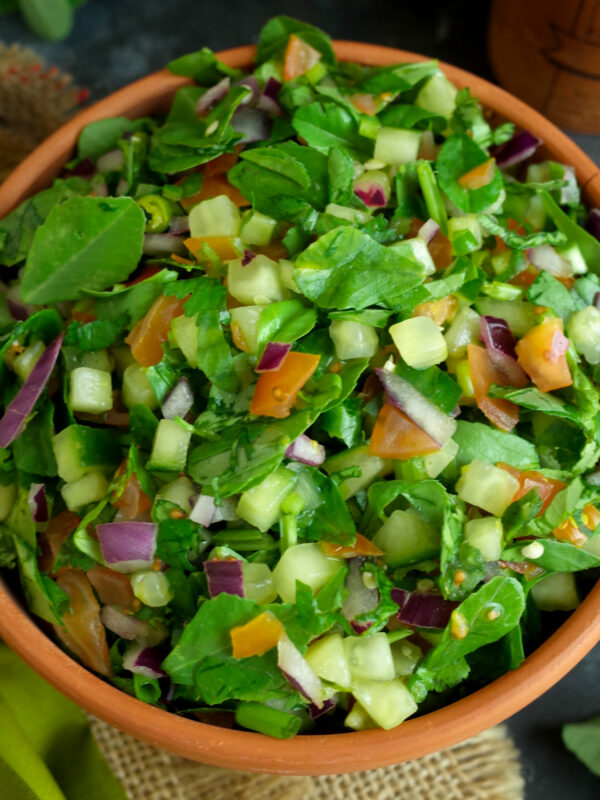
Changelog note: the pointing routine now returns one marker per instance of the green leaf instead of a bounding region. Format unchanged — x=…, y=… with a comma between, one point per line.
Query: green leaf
x=557, y=557
x=33, y=450
x=583, y=740
x=458, y=155
x=131, y=302
x=568, y=502
x=336, y=271
x=399, y=115
x=344, y=421
x=177, y=539
x=478, y=440
x=44, y=597
x=341, y=176
x=90, y=336
x=86, y=242
x=574, y=233
x=103, y=135
x=276, y=32
x=377, y=317
x=546, y=290
x=435, y=384
x=396, y=78
x=515, y=240
x=325, y=125
x=330, y=520
x=203, y=66
x=286, y=321
x=142, y=425
x=48, y=19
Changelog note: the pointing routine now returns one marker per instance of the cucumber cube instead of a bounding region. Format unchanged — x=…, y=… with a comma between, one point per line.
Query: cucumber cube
x=575, y=258
x=79, y=450
x=261, y=505
x=486, y=535
x=463, y=331
x=257, y=229
x=327, y=659
x=25, y=362
x=369, y=658
x=217, y=216
x=91, y=390
x=371, y=467
x=468, y=222
x=179, y=492
x=244, y=327
x=91, y=488
x=258, y=283
x=185, y=334
x=306, y=563
x=97, y=359
x=286, y=273
x=584, y=332
x=396, y=146
x=420, y=342
x=387, y=702
x=353, y=339
x=487, y=487
x=359, y=720
x=406, y=656
x=438, y=95
x=8, y=495
x=258, y=582
x=406, y=538
x=170, y=446
x=557, y=592
x=137, y=389
x=151, y=588
x=353, y=215
x=435, y=463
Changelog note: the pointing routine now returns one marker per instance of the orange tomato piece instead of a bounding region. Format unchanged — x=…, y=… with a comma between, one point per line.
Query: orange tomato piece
x=147, y=336
x=526, y=277
x=529, y=479
x=568, y=531
x=364, y=103
x=83, y=316
x=276, y=392
x=479, y=176
x=299, y=58
x=222, y=245
x=82, y=630
x=440, y=250
x=113, y=588
x=440, y=311
x=361, y=547
x=590, y=517
x=58, y=531
x=396, y=436
x=133, y=500
x=180, y=260
x=213, y=186
x=537, y=354
x=147, y=272
x=257, y=636
x=219, y=165
x=483, y=373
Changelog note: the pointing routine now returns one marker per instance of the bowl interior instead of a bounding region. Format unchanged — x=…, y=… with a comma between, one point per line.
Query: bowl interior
x=318, y=754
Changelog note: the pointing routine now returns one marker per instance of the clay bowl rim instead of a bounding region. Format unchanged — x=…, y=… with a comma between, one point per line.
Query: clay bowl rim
x=324, y=753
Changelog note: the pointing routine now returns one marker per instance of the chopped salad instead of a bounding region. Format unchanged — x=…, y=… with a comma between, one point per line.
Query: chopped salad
x=300, y=393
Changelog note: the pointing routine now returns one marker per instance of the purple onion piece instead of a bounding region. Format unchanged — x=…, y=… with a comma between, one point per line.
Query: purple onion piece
x=306, y=450
x=522, y=145
x=496, y=335
x=84, y=169
x=224, y=576
x=423, y=610
x=360, y=599
x=13, y=421
x=597, y=299
x=403, y=395
x=272, y=89
x=360, y=627
x=38, y=502
x=212, y=95
x=545, y=257
x=179, y=224
x=400, y=596
x=127, y=546
x=270, y=106
x=428, y=231
x=178, y=401
x=145, y=661
x=248, y=257
x=558, y=347
x=204, y=510
x=315, y=712
x=273, y=356
x=298, y=671
x=592, y=224
x=253, y=123
x=371, y=192
x=163, y=244
x=18, y=311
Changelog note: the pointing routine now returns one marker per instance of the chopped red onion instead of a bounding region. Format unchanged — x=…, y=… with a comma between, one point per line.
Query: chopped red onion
x=500, y=345
x=592, y=224
x=163, y=244
x=179, y=224
x=597, y=299
x=84, y=169
x=127, y=546
x=316, y=712
x=38, y=502
x=558, y=347
x=273, y=357
x=306, y=450
x=370, y=191
x=13, y=421
x=403, y=395
x=423, y=610
x=272, y=89
x=178, y=401
x=298, y=671
x=145, y=661
x=224, y=576
x=124, y=625
x=545, y=257
x=428, y=231
x=269, y=105
x=212, y=95
x=253, y=123
x=203, y=511
x=248, y=257
x=522, y=145
x=400, y=596
x=227, y=511
x=360, y=599
x=100, y=189
x=113, y=161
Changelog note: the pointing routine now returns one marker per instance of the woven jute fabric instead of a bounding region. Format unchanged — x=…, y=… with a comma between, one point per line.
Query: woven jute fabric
x=484, y=768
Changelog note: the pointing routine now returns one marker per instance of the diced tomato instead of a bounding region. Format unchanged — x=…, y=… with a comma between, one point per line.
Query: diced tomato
x=364, y=103
x=415, y=225
x=133, y=501
x=539, y=353
x=147, y=272
x=371, y=389
x=397, y=436
x=513, y=225
x=113, y=588
x=483, y=373
x=568, y=531
x=213, y=186
x=222, y=245
x=525, y=568
x=276, y=392
x=82, y=631
x=590, y=517
x=361, y=547
x=58, y=531
x=526, y=277
x=299, y=58
x=147, y=337
x=440, y=311
x=479, y=176
x=440, y=250
x=257, y=636
x=219, y=165
x=83, y=316
x=529, y=479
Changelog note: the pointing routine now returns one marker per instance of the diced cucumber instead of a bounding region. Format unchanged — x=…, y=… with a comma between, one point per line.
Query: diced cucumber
x=388, y=702
x=217, y=216
x=91, y=390
x=536, y=212
x=396, y=146
x=327, y=659
x=371, y=467
x=438, y=95
x=369, y=658
x=8, y=495
x=286, y=273
x=258, y=582
x=258, y=283
x=306, y=563
x=261, y=505
x=246, y=319
x=420, y=342
x=353, y=339
x=26, y=361
x=344, y=212
x=91, y=488
x=79, y=450
x=406, y=656
x=435, y=463
x=583, y=330
x=406, y=538
x=520, y=316
x=358, y=719
x=179, y=492
x=556, y=592
x=137, y=389
x=97, y=359
x=487, y=487
x=257, y=228
x=538, y=173
x=185, y=334
x=421, y=254
x=170, y=446
x=123, y=358
x=463, y=331
x=486, y=534
x=151, y=588
x=501, y=261
x=468, y=222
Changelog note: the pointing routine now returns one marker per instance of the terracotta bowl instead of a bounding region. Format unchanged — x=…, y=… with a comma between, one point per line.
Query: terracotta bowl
x=319, y=754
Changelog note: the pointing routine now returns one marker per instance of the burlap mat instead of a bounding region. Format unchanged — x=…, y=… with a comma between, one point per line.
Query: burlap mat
x=484, y=768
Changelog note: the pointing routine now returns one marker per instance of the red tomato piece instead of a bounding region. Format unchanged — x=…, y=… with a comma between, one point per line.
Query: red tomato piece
x=276, y=392
x=396, y=436
x=501, y=413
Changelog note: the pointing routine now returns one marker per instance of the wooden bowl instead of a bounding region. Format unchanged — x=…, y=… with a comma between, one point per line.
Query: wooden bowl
x=318, y=754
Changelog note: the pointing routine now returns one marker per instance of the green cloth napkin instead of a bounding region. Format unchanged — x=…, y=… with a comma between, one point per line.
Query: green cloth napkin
x=47, y=750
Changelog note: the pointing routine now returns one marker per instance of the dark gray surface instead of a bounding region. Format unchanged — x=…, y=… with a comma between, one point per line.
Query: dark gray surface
x=117, y=41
